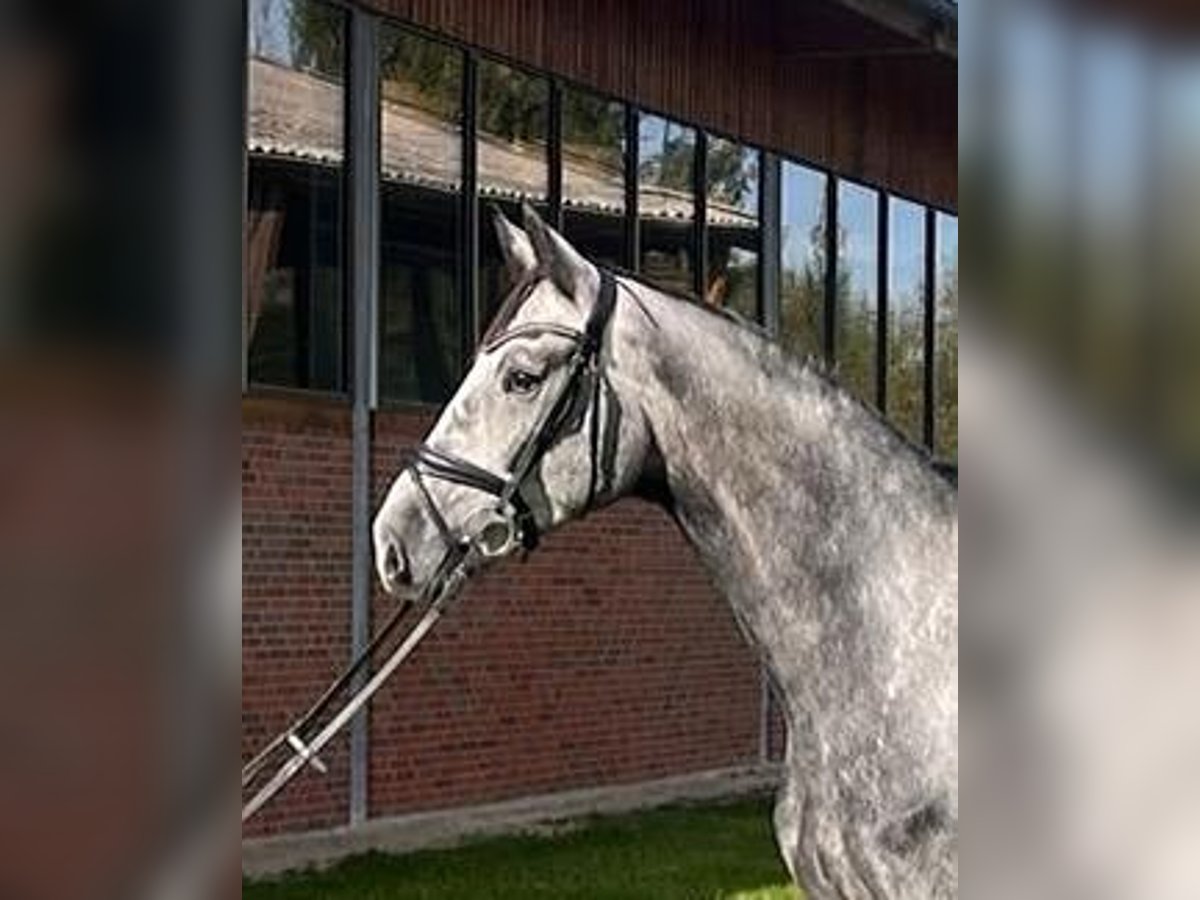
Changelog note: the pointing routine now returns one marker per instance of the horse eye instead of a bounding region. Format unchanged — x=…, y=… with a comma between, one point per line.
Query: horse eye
x=518, y=381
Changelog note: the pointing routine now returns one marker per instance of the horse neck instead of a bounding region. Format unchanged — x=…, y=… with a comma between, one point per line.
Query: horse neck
x=767, y=466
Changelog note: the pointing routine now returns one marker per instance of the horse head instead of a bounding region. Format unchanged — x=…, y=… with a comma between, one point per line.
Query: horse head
x=535, y=435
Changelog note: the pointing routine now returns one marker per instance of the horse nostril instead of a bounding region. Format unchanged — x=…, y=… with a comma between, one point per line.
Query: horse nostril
x=394, y=568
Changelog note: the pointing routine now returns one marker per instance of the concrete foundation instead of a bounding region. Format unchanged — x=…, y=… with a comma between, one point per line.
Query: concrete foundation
x=445, y=828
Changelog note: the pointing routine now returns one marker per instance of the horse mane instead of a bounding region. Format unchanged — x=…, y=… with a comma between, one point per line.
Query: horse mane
x=773, y=357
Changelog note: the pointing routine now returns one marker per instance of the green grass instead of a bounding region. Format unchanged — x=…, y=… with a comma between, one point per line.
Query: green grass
x=722, y=852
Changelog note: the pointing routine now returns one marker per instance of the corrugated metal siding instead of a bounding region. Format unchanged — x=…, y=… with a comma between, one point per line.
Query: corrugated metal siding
x=742, y=68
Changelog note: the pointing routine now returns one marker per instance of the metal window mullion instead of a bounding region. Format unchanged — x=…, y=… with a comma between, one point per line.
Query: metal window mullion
x=770, y=249
x=470, y=308
x=930, y=289
x=881, y=327
x=364, y=233
x=831, y=269
x=770, y=207
x=700, y=210
x=554, y=155
x=363, y=210
x=632, y=163
x=244, y=129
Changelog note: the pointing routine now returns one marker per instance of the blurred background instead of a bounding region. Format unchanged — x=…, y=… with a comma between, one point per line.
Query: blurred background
x=1079, y=131
x=121, y=211
x=1079, y=443
x=120, y=237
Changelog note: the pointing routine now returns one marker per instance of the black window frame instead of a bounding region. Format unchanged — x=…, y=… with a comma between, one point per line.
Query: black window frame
x=771, y=162
x=342, y=395
x=466, y=213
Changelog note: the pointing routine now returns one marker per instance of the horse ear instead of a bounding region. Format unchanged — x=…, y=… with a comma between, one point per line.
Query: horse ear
x=573, y=275
x=515, y=247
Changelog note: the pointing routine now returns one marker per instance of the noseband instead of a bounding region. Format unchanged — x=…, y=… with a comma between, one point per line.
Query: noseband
x=512, y=522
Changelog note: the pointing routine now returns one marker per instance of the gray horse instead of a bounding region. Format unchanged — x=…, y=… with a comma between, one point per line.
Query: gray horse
x=835, y=541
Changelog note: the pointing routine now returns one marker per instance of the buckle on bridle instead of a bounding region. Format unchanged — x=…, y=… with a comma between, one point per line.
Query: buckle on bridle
x=494, y=532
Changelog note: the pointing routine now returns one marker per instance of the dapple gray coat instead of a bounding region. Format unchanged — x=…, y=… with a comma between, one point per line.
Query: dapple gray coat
x=834, y=541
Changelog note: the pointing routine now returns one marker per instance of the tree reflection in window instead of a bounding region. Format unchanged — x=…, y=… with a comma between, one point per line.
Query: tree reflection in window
x=420, y=308
x=734, y=236
x=945, y=366
x=856, y=344
x=666, y=202
x=593, y=176
x=295, y=303
x=802, y=274
x=906, y=318
x=513, y=163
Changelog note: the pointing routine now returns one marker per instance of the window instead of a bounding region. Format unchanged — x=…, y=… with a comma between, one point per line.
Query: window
x=593, y=175
x=734, y=236
x=906, y=318
x=421, y=328
x=513, y=161
x=945, y=338
x=295, y=303
x=666, y=203
x=802, y=260
x=856, y=341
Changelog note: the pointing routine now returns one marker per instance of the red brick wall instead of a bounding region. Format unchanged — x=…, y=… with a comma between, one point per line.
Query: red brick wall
x=605, y=658
x=295, y=590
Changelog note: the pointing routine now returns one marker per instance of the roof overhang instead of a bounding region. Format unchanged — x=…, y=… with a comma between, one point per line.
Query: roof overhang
x=932, y=24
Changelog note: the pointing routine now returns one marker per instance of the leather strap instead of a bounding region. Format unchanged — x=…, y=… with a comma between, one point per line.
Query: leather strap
x=584, y=362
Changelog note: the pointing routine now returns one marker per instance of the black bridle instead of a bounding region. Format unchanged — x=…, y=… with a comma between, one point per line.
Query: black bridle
x=512, y=521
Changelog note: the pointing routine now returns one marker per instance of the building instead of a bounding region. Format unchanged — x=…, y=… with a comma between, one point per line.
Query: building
x=795, y=160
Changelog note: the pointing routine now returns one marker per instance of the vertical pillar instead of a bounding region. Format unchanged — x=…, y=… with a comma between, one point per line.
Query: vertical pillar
x=881, y=327
x=771, y=249
x=363, y=233
x=770, y=261
x=930, y=287
x=831, y=269
x=633, y=237
x=471, y=307
x=554, y=155
x=700, y=233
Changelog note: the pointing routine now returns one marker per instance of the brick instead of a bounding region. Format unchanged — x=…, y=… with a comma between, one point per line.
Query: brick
x=605, y=659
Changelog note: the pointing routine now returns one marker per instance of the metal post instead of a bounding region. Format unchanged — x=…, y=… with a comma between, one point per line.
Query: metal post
x=831, y=269
x=244, y=97
x=471, y=307
x=770, y=207
x=700, y=233
x=363, y=145
x=632, y=162
x=554, y=155
x=930, y=287
x=881, y=327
